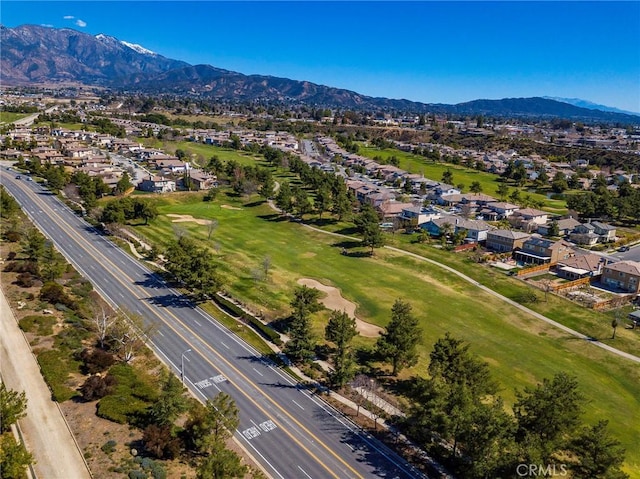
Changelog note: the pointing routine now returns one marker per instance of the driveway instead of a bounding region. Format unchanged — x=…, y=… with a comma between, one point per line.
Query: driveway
x=45, y=431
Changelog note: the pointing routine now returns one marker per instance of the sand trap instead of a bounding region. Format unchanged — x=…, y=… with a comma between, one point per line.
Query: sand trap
x=333, y=300
x=184, y=218
x=229, y=207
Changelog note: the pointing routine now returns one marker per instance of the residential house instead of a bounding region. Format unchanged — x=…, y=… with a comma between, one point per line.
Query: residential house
x=583, y=266
x=502, y=209
x=392, y=209
x=506, y=240
x=593, y=232
x=157, y=184
x=537, y=250
x=528, y=219
x=198, y=180
x=418, y=215
x=476, y=231
x=624, y=275
x=565, y=226
x=605, y=232
x=584, y=234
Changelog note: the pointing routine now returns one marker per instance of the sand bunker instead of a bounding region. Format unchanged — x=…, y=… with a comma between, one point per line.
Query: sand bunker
x=333, y=300
x=229, y=207
x=184, y=218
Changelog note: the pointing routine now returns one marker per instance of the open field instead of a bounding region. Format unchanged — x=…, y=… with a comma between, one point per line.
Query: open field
x=520, y=350
x=461, y=174
x=7, y=117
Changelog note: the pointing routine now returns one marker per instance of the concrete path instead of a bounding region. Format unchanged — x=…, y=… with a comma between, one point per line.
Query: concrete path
x=46, y=433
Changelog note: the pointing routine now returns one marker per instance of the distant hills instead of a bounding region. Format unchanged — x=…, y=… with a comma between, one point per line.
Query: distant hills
x=34, y=54
x=590, y=105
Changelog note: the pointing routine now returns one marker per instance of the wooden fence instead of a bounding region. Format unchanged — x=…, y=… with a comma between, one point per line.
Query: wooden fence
x=571, y=284
x=533, y=269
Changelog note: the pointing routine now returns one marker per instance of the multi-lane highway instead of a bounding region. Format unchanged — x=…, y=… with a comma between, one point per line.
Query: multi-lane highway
x=288, y=430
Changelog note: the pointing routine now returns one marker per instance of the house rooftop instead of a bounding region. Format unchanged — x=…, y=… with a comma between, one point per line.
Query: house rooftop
x=632, y=267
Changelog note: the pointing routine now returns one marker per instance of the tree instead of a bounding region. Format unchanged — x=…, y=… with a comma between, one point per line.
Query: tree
x=170, y=404
x=554, y=229
x=266, y=266
x=598, y=455
x=13, y=407
x=369, y=227
x=147, y=211
x=502, y=191
x=548, y=414
x=399, y=343
x=33, y=244
x=211, y=424
x=103, y=322
x=129, y=333
x=51, y=265
x=614, y=324
x=559, y=183
x=447, y=177
x=341, y=205
x=123, y=185
x=8, y=205
x=475, y=187
x=14, y=458
x=452, y=363
x=340, y=330
x=268, y=187
x=301, y=343
x=160, y=442
x=284, y=198
x=221, y=463
x=323, y=200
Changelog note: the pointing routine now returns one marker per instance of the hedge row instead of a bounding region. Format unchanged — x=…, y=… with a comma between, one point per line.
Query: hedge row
x=234, y=310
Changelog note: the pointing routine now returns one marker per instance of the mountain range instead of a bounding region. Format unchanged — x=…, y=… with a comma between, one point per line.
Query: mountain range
x=34, y=54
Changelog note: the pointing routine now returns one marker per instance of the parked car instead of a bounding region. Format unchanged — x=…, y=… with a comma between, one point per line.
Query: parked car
x=623, y=249
x=18, y=177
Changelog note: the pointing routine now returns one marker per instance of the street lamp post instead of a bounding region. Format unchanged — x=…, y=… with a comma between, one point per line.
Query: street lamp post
x=182, y=365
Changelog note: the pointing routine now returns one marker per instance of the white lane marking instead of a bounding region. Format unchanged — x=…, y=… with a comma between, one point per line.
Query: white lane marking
x=224, y=345
x=261, y=456
x=258, y=371
x=196, y=322
x=297, y=405
x=160, y=333
x=305, y=473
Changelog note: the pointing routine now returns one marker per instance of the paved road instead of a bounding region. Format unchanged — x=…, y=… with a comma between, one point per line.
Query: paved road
x=289, y=431
x=44, y=429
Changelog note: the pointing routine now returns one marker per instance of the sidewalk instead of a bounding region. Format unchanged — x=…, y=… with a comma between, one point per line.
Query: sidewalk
x=46, y=433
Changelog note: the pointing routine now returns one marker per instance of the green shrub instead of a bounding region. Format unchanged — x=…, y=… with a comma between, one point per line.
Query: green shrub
x=109, y=447
x=43, y=325
x=56, y=366
x=233, y=310
x=70, y=338
x=158, y=471
x=131, y=397
x=120, y=408
x=137, y=474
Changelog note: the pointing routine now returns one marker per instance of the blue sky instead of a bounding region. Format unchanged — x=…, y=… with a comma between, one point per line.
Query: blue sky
x=437, y=52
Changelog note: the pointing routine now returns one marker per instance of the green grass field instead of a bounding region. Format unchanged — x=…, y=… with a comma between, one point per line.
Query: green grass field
x=461, y=175
x=7, y=117
x=520, y=349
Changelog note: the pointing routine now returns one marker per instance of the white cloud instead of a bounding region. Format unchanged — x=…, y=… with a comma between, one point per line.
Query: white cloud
x=80, y=23
x=46, y=25
x=68, y=17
